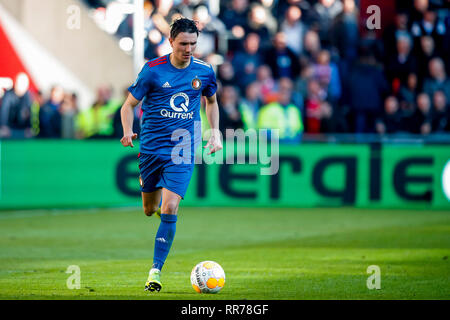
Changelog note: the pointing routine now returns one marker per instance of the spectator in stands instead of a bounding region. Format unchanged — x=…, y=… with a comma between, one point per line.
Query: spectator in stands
x=15, y=111
x=301, y=84
x=316, y=96
x=163, y=14
x=431, y=26
x=344, y=32
x=97, y=121
x=392, y=32
x=441, y=113
x=345, y=38
x=426, y=52
x=408, y=95
x=230, y=118
x=261, y=22
x=153, y=19
x=282, y=114
x=210, y=28
x=327, y=74
x=69, y=111
x=245, y=63
x=402, y=64
x=250, y=105
x=305, y=6
x=161, y=18
x=35, y=107
x=152, y=42
x=446, y=47
x=328, y=122
x=391, y=120
x=418, y=10
x=234, y=16
x=370, y=39
x=367, y=89
x=281, y=59
x=438, y=79
x=294, y=29
x=311, y=48
x=420, y=122
x=324, y=12
x=226, y=74
x=50, y=114
x=186, y=8
x=265, y=81
x=154, y=36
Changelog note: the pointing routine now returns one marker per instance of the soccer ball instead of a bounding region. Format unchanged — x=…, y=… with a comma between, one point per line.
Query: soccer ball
x=207, y=277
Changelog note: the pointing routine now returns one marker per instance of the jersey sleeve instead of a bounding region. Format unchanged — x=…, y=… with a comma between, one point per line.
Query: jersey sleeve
x=142, y=85
x=211, y=87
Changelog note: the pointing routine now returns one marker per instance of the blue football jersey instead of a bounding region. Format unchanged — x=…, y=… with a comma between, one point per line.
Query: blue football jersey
x=171, y=104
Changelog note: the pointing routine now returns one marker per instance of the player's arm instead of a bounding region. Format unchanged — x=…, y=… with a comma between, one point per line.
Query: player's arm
x=212, y=113
x=127, y=117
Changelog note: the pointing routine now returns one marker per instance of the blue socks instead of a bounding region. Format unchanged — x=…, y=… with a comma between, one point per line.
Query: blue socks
x=163, y=240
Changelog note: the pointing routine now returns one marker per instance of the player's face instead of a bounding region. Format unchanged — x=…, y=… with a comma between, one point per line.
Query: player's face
x=184, y=46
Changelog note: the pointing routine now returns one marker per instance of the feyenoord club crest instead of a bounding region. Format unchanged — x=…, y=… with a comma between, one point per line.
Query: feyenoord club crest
x=196, y=83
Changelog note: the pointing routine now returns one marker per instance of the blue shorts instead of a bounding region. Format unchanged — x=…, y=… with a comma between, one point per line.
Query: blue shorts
x=157, y=171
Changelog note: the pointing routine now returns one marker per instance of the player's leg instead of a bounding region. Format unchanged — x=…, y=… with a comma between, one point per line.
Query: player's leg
x=174, y=183
x=164, y=237
x=150, y=174
x=167, y=228
x=151, y=202
x=170, y=203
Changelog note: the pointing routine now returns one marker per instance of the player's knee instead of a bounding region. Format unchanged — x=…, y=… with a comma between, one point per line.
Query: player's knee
x=171, y=207
x=150, y=210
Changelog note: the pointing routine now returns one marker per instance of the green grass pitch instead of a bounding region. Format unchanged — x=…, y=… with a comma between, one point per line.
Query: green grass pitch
x=266, y=253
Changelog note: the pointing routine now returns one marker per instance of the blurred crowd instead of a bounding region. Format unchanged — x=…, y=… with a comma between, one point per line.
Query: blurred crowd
x=27, y=115
x=300, y=66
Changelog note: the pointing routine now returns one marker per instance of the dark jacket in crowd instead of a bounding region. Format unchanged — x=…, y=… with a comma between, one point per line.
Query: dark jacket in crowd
x=49, y=121
x=417, y=120
x=440, y=121
x=283, y=63
x=367, y=87
x=227, y=122
x=401, y=70
x=15, y=111
x=393, y=122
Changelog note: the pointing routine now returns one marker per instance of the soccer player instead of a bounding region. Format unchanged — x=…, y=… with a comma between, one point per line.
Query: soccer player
x=171, y=87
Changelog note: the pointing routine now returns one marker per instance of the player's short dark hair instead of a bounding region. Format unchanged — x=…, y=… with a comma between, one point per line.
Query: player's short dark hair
x=183, y=25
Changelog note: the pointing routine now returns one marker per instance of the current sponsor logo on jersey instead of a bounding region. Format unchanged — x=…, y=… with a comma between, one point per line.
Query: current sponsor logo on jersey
x=179, y=103
x=183, y=106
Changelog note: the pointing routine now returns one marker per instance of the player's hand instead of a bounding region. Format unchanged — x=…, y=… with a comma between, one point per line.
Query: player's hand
x=127, y=140
x=214, y=144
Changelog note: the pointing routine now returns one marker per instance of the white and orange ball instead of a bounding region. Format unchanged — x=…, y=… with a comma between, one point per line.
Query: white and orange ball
x=207, y=277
